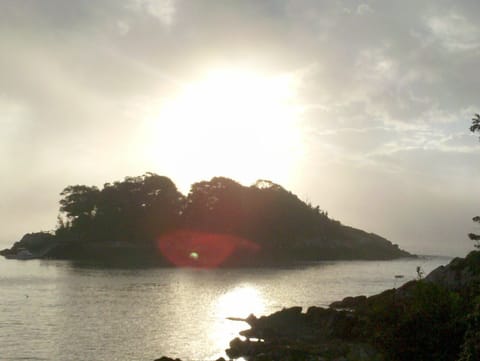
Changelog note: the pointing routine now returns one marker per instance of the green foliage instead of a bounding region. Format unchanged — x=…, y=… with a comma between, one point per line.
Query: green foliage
x=420, y=273
x=475, y=237
x=264, y=212
x=424, y=324
x=471, y=345
x=136, y=209
x=79, y=202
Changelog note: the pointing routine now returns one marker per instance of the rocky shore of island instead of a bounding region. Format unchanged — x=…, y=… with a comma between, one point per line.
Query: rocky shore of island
x=431, y=318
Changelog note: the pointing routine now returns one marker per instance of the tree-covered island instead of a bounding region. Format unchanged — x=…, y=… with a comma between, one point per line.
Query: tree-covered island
x=220, y=222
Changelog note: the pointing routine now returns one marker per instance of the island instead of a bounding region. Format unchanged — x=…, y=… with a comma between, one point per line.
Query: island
x=220, y=222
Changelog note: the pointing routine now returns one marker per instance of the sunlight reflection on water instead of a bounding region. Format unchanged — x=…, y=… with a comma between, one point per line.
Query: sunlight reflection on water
x=241, y=301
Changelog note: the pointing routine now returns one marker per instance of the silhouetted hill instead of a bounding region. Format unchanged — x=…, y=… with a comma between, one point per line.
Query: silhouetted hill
x=219, y=222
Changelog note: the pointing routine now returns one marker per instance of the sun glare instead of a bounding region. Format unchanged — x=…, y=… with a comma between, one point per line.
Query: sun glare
x=230, y=122
x=241, y=301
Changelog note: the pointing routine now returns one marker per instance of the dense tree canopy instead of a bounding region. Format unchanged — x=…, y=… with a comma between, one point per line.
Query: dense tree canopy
x=264, y=211
x=136, y=209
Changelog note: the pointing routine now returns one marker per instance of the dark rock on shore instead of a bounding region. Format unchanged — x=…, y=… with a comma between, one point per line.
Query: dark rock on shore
x=318, y=334
x=349, y=303
x=458, y=274
x=6, y=252
x=32, y=245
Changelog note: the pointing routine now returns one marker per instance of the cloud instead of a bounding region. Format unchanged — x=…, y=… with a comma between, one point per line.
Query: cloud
x=455, y=32
x=163, y=10
x=364, y=9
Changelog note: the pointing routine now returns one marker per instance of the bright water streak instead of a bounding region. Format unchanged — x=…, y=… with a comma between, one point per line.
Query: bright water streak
x=53, y=310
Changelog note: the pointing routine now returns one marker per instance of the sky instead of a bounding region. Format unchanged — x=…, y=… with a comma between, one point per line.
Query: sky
x=360, y=107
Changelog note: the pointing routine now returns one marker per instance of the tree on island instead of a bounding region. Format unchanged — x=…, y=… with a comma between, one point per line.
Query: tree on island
x=264, y=212
x=136, y=209
x=475, y=127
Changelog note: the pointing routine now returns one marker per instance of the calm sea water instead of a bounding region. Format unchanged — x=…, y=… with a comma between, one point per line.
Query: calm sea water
x=54, y=310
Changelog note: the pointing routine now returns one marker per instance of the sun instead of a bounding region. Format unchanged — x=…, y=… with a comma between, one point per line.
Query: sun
x=231, y=122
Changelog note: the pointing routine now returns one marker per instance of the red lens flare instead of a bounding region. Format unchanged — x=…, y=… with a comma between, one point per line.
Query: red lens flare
x=201, y=249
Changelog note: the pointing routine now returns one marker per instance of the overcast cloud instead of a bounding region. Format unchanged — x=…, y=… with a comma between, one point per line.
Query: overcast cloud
x=387, y=87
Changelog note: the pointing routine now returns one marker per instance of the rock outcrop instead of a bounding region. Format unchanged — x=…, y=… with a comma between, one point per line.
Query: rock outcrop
x=289, y=334
x=458, y=274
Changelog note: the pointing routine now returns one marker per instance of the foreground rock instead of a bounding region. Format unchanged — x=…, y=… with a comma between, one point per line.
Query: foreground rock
x=318, y=334
x=459, y=274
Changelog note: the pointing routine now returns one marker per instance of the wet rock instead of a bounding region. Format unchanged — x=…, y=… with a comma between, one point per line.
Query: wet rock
x=285, y=323
x=289, y=334
x=239, y=348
